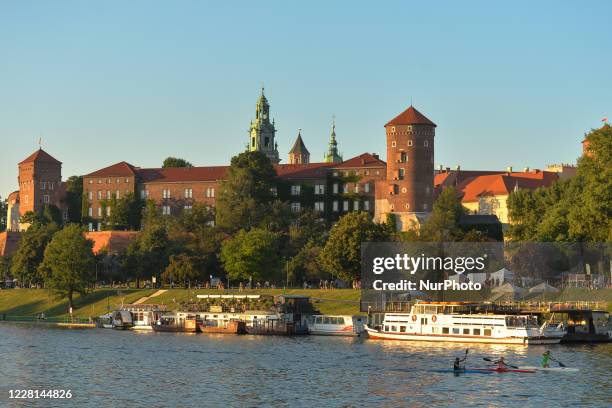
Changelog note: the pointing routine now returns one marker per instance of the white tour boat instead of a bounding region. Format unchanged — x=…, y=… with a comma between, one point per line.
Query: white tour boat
x=457, y=322
x=336, y=325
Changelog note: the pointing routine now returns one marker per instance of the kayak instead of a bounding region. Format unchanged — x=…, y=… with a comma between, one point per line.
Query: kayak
x=555, y=369
x=505, y=370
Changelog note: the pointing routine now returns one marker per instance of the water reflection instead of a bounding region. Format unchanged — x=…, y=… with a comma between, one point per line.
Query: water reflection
x=184, y=369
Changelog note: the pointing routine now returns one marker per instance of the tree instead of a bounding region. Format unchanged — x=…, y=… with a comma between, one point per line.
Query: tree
x=252, y=255
x=175, y=162
x=49, y=214
x=147, y=256
x=3, y=214
x=182, y=268
x=68, y=262
x=443, y=223
x=125, y=213
x=30, y=253
x=245, y=197
x=306, y=264
x=341, y=255
x=73, y=200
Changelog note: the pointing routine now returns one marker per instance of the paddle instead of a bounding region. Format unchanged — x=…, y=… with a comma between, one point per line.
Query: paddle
x=491, y=361
x=558, y=362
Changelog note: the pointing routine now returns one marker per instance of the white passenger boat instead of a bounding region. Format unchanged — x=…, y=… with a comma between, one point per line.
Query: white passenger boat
x=336, y=325
x=144, y=316
x=458, y=322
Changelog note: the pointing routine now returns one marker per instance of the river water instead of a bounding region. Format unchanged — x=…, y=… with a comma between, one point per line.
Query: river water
x=133, y=369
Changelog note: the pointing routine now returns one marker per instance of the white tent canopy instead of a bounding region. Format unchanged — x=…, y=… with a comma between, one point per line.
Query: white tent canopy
x=503, y=275
x=543, y=287
x=508, y=288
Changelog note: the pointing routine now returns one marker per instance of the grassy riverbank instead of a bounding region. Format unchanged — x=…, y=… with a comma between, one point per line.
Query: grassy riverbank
x=31, y=302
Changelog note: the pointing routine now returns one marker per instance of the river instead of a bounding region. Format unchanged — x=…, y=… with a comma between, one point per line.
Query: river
x=134, y=369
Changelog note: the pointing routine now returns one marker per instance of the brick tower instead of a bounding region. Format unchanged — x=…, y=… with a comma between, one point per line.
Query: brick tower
x=40, y=182
x=408, y=190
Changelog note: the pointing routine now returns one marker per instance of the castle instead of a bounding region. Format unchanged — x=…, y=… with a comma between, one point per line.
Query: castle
x=404, y=186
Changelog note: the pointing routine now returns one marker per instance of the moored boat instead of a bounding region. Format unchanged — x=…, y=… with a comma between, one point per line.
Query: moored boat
x=459, y=322
x=326, y=325
x=223, y=326
x=170, y=324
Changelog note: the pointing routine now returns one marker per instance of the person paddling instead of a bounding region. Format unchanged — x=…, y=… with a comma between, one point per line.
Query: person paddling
x=546, y=359
x=457, y=366
x=501, y=363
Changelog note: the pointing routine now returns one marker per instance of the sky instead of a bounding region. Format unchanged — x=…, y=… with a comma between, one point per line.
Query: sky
x=508, y=83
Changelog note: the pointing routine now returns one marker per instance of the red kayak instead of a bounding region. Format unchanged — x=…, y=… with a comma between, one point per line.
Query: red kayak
x=502, y=369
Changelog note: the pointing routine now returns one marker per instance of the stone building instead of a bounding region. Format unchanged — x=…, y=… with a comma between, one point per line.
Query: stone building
x=407, y=192
x=299, y=154
x=40, y=183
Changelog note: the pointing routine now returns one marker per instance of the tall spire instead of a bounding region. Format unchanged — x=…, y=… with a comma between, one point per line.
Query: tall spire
x=332, y=155
x=299, y=153
x=262, y=131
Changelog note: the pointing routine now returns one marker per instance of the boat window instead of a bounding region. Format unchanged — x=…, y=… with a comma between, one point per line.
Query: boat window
x=487, y=332
x=326, y=320
x=402, y=329
x=455, y=330
x=386, y=328
x=393, y=328
x=466, y=331
x=476, y=332
x=445, y=330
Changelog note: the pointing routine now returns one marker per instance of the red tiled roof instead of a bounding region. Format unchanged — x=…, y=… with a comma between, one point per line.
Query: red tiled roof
x=502, y=184
x=454, y=177
x=121, y=169
x=363, y=160
x=410, y=116
x=302, y=171
x=183, y=174
x=40, y=156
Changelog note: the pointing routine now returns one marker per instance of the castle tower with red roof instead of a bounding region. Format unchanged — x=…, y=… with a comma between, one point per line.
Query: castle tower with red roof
x=40, y=182
x=408, y=190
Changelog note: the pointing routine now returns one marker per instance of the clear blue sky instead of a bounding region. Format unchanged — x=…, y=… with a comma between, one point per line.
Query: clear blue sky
x=508, y=83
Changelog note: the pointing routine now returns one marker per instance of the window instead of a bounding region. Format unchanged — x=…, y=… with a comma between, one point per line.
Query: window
x=356, y=188
x=404, y=157
x=43, y=185
x=335, y=174
x=99, y=211
x=456, y=330
x=108, y=210
x=90, y=213
x=90, y=181
x=188, y=193
x=108, y=180
x=144, y=194
x=274, y=191
x=99, y=181
x=487, y=332
x=117, y=194
x=404, y=190
x=476, y=332
x=355, y=205
x=410, y=143
x=295, y=190
x=46, y=199
x=445, y=330
x=108, y=194
x=26, y=198
x=335, y=206
x=366, y=187
x=295, y=207
x=51, y=185
x=99, y=194
x=402, y=329
x=345, y=205
x=188, y=207
x=335, y=188
x=210, y=192
x=426, y=143
x=165, y=193
x=393, y=328
x=319, y=206
x=166, y=210
x=401, y=174
x=393, y=144
x=345, y=188
x=466, y=331
x=90, y=195
x=366, y=205
x=319, y=188
x=118, y=181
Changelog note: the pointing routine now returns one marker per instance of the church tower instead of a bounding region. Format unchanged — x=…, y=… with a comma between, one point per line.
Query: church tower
x=408, y=190
x=332, y=155
x=262, y=131
x=299, y=153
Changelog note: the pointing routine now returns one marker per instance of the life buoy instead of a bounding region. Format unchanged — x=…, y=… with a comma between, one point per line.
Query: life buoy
x=414, y=318
x=434, y=318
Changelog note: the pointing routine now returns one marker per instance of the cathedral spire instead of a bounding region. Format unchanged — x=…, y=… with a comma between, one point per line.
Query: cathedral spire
x=262, y=131
x=332, y=155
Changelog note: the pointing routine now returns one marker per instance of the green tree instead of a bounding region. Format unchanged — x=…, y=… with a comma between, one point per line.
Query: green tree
x=69, y=262
x=182, y=268
x=73, y=200
x=49, y=214
x=245, y=197
x=147, y=255
x=175, y=162
x=252, y=254
x=443, y=223
x=341, y=255
x=306, y=264
x=125, y=213
x=30, y=253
